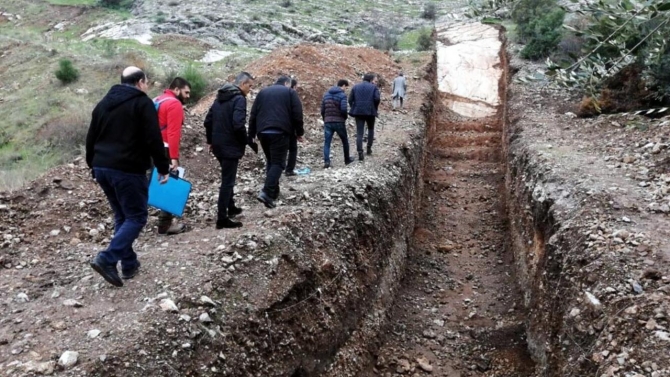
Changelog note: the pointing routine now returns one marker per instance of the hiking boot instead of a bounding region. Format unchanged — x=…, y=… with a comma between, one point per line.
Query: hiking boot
x=290, y=173
x=349, y=161
x=234, y=211
x=369, y=151
x=265, y=199
x=326, y=165
x=172, y=229
x=361, y=156
x=129, y=273
x=227, y=223
x=107, y=271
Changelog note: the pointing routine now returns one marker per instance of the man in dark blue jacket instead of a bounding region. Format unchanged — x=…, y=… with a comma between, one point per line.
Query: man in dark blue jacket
x=122, y=140
x=292, y=145
x=275, y=115
x=334, y=114
x=227, y=139
x=364, y=102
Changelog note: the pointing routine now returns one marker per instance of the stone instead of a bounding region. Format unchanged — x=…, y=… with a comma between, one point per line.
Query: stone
x=593, y=301
x=68, y=359
x=58, y=325
x=403, y=366
x=22, y=297
x=72, y=303
x=663, y=335
x=574, y=312
x=206, y=300
x=54, y=232
x=205, y=318
x=622, y=233
x=93, y=232
x=168, y=305
x=424, y=364
x=93, y=333
x=45, y=368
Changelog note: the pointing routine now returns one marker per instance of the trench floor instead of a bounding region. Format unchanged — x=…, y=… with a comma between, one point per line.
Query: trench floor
x=459, y=311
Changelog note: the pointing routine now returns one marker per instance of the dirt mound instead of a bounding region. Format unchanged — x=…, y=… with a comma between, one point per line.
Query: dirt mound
x=317, y=67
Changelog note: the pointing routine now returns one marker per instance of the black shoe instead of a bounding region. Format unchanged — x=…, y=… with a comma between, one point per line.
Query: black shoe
x=290, y=173
x=234, y=211
x=349, y=161
x=227, y=223
x=130, y=272
x=265, y=199
x=326, y=165
x=361, y=156
x=369, y=151
x=107, y=271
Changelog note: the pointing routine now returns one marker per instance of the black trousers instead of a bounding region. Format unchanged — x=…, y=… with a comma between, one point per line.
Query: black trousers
x=228, y=175
x=292, y=153
x=275, y=148
x=360, y=130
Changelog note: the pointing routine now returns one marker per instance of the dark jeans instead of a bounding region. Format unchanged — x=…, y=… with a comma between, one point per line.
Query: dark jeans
x=275, y=147
x=360, y=128
x=128, y=195
x=329, y=129
x=228, y=175
x=292, y=153
x=164, y=218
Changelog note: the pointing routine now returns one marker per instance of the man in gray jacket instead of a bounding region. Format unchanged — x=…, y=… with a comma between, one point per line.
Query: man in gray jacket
x=399, y=90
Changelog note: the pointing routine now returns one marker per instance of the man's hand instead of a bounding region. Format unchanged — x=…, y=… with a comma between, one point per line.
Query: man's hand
x=174, y=164
x=162, y=178
x=301, y=139
x=210, y=148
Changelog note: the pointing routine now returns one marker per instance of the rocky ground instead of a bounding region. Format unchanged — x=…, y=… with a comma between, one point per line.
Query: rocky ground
x=197, y=290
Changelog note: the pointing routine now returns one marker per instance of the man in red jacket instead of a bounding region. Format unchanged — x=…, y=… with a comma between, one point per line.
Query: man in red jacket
x=170, y=121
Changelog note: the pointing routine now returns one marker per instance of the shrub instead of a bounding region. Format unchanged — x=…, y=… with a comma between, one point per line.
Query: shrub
x=424, y=42
x=383, y=38
x=429, y=11
x=116, y=4
x=66, y=72
x=67, y=132
x=286, y=3
x=196, y=79
x=543, y=34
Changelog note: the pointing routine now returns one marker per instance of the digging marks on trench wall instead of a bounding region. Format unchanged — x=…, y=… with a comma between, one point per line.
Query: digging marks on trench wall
x=459, y=311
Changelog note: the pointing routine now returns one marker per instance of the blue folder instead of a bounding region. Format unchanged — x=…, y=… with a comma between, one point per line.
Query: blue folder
x=170, y=196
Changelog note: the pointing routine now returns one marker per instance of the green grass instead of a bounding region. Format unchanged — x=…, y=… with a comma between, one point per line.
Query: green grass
x=408, y=40
x=72, y=2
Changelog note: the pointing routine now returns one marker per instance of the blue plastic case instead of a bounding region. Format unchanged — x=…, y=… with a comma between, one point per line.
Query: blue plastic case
x=170, y=196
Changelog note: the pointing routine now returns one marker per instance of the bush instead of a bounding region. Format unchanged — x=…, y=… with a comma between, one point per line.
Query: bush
x=67, y=132
x=286, y=3
x=383, y=38
x=429, y=11
x=424, y=42
x=115, y=4
x=196, y=79
x=66, y=72
x=544, y=34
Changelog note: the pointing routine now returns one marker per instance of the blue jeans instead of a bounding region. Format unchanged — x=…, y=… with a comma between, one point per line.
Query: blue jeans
x=329, y=129
x=360, y=129
x=275, y=147
x=127, y=194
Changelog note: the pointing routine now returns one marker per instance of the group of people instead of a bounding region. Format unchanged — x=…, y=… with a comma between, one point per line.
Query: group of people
x=131, y=133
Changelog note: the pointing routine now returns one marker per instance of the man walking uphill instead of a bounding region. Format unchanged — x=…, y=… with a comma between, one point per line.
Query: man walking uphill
x=171, y=120
x=399, y=90
x=122, y=139
x=334, y=113
x=275, y=115
x=364, y=101
x=227, y=138
x=292, y=144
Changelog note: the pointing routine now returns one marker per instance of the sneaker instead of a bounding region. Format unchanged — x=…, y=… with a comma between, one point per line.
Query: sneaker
x=369, y=151
x=130, y=272
x=234, y=211
x=107, y=271
x=349, y=161
x=265, y=199
x=326, y=165
x=290, y=173
x=361, y=156
x=227, y=223
x=173, y=229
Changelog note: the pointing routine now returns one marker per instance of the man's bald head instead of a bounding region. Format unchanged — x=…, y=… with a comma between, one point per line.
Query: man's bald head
x=132, y=76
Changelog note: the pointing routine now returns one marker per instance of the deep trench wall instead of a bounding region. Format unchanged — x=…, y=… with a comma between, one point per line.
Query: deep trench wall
x=338, y=273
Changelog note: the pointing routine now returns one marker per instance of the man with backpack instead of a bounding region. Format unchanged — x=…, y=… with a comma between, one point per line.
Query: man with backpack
x=227, y=139
x=334, y=114
x=170, y=120
x=122, y=140
x=364, y=101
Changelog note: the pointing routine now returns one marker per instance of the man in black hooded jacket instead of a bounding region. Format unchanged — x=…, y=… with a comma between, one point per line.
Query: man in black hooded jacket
x=122, y=140
x=227, y=139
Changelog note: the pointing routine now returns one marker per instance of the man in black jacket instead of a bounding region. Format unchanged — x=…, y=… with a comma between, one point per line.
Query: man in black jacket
x=227, y=138
x=275, y=115
x=364, y=101
x=292, y=145
x=122, y=140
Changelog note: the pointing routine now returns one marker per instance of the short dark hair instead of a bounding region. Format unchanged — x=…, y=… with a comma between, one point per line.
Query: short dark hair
x=369, y=77
x=133, y=78
x=179, y=83
x=243, y=77
x=294, y=82
x=342, y=82
x=282, y=80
